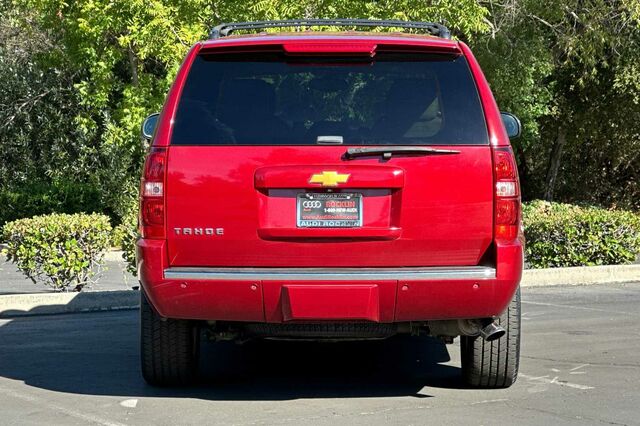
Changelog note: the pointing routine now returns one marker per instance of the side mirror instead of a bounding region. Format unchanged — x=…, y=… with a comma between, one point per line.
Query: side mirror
x=149, y=126
x=511, y=124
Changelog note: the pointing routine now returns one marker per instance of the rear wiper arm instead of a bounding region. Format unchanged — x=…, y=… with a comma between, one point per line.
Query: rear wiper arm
x=388, y=151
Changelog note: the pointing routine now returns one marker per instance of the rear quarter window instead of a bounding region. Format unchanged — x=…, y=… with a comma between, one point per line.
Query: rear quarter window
x=272, y=99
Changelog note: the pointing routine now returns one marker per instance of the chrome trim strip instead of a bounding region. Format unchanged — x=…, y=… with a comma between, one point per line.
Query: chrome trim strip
x=331, y=274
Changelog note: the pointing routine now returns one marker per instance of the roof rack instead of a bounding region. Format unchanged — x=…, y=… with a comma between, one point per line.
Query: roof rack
x=431, y=28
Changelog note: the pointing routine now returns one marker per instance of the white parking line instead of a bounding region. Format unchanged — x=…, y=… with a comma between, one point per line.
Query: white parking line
x=555, y=381
x=579, y=367
x=129, y=403
x=584, y=308
x=489, y=401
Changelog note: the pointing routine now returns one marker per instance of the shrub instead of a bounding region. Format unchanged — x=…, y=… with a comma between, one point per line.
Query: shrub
x=117, y=236
x=41, y=198
x=128, y=234
x=568, y=235
x=59, y=250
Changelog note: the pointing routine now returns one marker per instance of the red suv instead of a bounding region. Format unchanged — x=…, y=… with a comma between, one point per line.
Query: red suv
x=330, y=185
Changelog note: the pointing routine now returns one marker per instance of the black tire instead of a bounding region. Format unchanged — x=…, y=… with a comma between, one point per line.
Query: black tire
x=168, y=347
x=494, y=365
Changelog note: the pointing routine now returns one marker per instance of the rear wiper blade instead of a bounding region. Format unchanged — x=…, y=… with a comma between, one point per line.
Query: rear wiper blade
x=388, y=151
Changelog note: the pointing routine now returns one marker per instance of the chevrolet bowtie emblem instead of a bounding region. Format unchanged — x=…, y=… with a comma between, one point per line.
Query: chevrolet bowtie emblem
x=329, y=178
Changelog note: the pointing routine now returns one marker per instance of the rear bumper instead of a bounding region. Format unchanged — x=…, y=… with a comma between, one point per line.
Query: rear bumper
x=278, y=295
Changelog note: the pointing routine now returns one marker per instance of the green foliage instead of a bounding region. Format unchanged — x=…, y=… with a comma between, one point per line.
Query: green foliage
x=59, y=250
x=567, y=235
x=127, y=233
x=38, y=198
x=465, y=18
x=117, y=236
x=569, y=70
x=79, y=77
x=38, y=137
x=112, y=63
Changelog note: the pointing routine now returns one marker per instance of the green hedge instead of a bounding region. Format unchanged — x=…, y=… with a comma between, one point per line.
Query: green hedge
x=567, y=235
x=557, y=235
x=44, y=198
x=59, y=250
x=127, y=234
x=64, y=251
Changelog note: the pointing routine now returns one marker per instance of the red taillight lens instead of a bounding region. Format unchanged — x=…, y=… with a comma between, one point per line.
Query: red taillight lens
x=153, y=212
x=152, y=193
x=504, y=164
x=507, y=212
x=507, y=195
x=154, y=166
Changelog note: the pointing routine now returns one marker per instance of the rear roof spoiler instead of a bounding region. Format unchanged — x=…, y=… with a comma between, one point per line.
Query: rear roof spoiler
x=430, y=28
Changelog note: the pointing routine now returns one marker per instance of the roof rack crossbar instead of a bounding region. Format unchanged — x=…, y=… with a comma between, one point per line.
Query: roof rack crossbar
x=434, y=29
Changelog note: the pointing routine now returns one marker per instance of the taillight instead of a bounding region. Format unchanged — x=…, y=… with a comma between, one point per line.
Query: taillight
x=152, y=194
x=507, y=195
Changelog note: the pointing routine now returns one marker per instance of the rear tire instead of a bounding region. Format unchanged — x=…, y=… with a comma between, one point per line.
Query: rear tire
x=168, y=347
x=494, y=365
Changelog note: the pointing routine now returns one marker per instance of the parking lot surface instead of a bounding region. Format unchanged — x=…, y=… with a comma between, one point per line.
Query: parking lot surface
x=580, y=364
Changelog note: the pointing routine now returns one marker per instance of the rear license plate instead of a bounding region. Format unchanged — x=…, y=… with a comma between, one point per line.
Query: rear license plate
x=329, y=210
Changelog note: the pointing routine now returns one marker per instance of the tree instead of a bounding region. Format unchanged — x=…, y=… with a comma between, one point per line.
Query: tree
x=465, y=17
x=570, y=72
x=88, y=72
x=119, y=59
x=35, y=103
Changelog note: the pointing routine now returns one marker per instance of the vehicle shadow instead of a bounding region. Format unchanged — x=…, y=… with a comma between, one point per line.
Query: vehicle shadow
x=97, y=354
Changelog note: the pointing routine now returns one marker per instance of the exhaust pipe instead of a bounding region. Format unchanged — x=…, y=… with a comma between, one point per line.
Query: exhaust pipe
x=484, y=327
x=491, y=331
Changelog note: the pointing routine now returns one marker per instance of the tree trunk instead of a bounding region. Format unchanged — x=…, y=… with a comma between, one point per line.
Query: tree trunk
x=133, y=64
x=554, y=162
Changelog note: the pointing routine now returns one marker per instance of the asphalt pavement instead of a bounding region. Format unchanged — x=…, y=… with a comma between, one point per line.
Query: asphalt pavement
x=580, y=365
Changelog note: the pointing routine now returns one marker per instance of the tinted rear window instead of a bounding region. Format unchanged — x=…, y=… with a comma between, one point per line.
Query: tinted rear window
x=271, y=99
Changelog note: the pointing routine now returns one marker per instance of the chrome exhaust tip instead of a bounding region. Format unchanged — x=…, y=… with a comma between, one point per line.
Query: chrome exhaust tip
x=492, y=331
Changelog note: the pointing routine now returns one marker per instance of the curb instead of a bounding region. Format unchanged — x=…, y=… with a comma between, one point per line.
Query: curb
x=14, y=305
x=580, y=275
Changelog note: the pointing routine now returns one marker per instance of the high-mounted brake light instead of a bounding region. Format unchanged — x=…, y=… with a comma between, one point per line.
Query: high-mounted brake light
x=507, y=195
x=152, y=194
x=366, y=49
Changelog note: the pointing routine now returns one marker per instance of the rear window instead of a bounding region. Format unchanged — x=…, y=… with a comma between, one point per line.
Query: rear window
x=272, y=99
